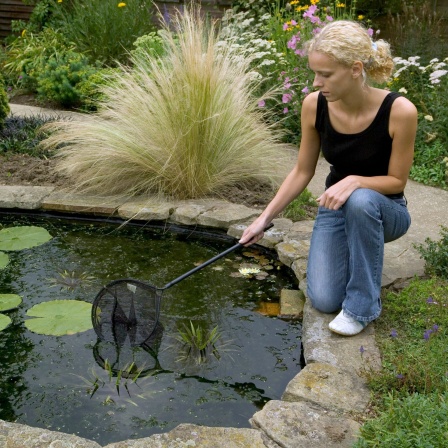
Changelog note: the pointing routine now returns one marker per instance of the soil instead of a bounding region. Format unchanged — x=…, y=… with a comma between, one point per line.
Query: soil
x=21, y=169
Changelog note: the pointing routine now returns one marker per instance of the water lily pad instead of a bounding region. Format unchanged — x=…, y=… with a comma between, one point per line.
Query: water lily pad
x=60, y=317
x=4, y=321
x=4, y=260
x=9, y=301
x=24, y=237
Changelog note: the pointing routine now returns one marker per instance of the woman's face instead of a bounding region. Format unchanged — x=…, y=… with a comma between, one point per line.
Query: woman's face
x=331, y=78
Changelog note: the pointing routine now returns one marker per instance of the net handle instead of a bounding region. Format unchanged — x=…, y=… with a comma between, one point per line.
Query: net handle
x=206, y=263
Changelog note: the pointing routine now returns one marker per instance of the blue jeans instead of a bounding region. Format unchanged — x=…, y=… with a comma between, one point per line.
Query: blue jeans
x=345, y=262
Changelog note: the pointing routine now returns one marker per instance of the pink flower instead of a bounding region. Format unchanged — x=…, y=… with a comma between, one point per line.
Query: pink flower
x=285, y=26
x=329, y=19
x=287, y=85
x=285, y=110
x=300, y=52
x=370, y=31
x=261, y=103
x=287, y=97
x=305, y=90
x=293, y=23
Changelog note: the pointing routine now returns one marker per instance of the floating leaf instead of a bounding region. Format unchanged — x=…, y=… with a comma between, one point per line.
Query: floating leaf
x=4, y=321
x=60, y=317
x=9, y=301
x=4, y=260
x=24, y=237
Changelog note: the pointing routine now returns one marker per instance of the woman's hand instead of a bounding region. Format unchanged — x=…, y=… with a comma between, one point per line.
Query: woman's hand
x=254, y=232
x=335, y=197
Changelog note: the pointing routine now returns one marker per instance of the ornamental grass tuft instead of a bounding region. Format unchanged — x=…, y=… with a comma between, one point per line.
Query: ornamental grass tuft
x=185, y=124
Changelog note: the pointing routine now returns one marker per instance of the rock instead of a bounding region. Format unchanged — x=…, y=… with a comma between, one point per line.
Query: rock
x=29, y=198
x=291, y=302
x=292, y=250
x=297, y=425
x=226, y=214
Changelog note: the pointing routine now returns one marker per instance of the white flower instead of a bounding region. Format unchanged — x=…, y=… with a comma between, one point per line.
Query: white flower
x=434, y=76
x=428, y=117
x=248, y=271
x=403, y=90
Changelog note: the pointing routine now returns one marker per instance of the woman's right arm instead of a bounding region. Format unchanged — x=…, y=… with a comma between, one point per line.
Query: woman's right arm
x=297, y=179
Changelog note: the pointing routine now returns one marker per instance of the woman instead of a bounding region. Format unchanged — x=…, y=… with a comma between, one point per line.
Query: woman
x=367, y=135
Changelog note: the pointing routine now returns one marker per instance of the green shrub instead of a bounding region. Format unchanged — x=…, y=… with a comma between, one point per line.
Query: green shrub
x=149, y=44
x=105, y=29
x=60, y=76
x=91, y=90
x=4, y=103
x=427, y=87
x=302, y=207
x=185, y=125
x=27, y=55
x=435, y=254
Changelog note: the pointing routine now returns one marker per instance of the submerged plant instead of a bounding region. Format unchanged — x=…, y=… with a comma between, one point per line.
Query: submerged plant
x=71, y=280
x=185, y=124
x=198, y=344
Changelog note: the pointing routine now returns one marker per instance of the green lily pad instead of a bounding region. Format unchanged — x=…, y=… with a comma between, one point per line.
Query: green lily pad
x=9, y=301
x=60, y=317
x=24, y=237
x=4, y=321
x=4, y=260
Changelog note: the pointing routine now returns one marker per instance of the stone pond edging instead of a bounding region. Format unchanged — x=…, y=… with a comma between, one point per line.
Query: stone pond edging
x=321, y=406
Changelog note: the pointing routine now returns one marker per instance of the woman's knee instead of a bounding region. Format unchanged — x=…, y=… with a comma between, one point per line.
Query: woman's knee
x=325, y=302
x=362, y=200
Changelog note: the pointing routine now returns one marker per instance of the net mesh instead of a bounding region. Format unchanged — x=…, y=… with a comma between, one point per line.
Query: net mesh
x=126, y=312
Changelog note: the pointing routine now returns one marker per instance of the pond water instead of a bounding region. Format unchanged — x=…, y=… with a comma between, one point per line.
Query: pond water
x=76, y=383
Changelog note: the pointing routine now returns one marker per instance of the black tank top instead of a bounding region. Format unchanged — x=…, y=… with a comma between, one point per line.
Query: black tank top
x=365, y=153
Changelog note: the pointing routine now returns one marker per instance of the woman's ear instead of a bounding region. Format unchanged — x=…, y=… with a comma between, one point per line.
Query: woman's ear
x=357, y=69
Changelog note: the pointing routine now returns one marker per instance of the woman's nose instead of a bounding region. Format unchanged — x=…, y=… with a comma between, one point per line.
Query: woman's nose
x=317, y=81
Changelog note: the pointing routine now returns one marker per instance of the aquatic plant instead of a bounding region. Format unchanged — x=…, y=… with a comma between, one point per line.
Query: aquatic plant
x=197, y=343
x=71, y=279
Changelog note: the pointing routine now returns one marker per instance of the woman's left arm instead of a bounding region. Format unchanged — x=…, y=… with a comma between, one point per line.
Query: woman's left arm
x=402, y=128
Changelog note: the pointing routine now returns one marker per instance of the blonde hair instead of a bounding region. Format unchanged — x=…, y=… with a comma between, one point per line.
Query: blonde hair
x=346, y=41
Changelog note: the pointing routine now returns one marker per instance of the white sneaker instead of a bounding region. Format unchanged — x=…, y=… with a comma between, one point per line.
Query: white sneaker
x=345, y=325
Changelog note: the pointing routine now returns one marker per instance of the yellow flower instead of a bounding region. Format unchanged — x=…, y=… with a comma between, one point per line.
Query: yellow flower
x=59, y=1
x=360, y=17
x=340, y=5
x=23, y=33
x=121, y=4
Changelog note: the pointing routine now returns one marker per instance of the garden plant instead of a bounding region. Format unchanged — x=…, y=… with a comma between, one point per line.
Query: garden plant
x=185, y=116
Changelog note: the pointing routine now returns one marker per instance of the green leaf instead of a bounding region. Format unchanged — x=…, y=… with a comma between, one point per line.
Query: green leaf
x=18, y=238
x=4, y=321
x=9, y=301
x=4, y=260
x=60, y=317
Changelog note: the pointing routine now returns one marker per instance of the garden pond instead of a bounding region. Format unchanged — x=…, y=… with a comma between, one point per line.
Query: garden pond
x=56, y=373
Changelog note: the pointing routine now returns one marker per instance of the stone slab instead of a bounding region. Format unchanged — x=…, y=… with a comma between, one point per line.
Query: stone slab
x=323, y=346
x=292, y=302
x=301, y=425
x=187, y=435
x=149, y=209
x=292, y=250
x=15, y=435
x=187, y=212
x=223, y=216
x=329, y=387
x=27, y=198
x=76, y=203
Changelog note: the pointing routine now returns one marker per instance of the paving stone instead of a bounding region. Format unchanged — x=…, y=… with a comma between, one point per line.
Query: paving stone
x=302, y=425
x=299, y=268
x=76, y=203
x=223, y=216
x=322, y=345
x=146, y=210
x=329, y=387
x=187, y=435
x=300, y=230
x=291, y=302
x=15, y=435
x=292, y=250
x=187, y=212
x=27, y=198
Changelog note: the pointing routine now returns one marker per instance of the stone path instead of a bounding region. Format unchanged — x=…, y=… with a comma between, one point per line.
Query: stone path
x=321, y=405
